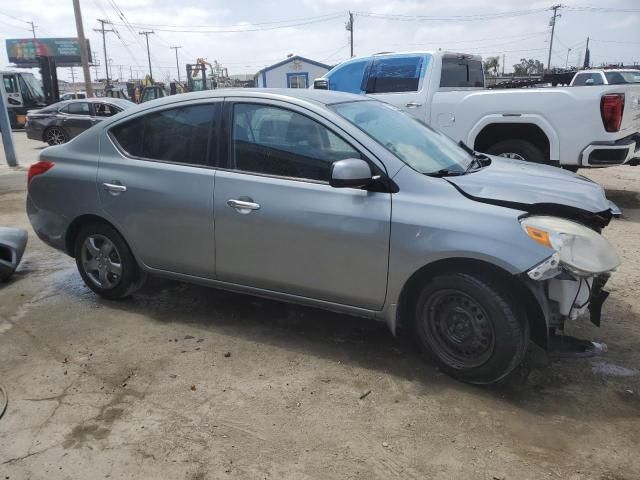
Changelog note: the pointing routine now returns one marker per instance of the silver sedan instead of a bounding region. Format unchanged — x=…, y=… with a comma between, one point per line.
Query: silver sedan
x=336, y=201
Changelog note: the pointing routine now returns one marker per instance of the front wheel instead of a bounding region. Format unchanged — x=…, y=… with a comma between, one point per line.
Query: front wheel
x=105, y=262
x=472, y=328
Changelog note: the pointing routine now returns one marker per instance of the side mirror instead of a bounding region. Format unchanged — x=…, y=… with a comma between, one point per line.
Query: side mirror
x=350, y=173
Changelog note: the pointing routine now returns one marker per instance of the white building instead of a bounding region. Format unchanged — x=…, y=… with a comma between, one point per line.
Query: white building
x=294, y=72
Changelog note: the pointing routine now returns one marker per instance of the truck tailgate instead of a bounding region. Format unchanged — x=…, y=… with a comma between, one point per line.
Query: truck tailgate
x=631, y=115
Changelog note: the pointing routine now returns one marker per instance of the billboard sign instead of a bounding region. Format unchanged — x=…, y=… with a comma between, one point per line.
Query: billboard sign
x=23, y=52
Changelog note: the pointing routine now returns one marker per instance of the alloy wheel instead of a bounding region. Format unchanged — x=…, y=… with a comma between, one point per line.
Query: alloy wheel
x=55, y=136
x=101, y=261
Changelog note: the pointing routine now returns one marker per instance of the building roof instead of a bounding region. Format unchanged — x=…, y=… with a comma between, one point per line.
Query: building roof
x=291, y=59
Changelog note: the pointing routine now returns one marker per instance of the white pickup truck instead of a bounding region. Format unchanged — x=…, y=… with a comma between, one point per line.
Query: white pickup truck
x=572, y=127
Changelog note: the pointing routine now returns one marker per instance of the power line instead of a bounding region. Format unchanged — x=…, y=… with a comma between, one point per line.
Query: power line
x=15, y=18
x=180, y=28
x=450, y=18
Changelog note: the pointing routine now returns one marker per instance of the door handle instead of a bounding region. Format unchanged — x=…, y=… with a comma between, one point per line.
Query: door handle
x=243, y=206
x=413, y=105
x=114, y=187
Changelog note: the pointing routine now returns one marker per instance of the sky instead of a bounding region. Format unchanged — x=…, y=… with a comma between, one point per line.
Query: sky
x=247, y=35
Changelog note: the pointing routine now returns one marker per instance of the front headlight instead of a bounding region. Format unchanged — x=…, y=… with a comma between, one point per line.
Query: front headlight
x=580, y=249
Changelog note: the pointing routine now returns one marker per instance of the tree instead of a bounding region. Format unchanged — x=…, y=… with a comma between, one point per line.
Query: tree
x=528, y=67
x=491, y=65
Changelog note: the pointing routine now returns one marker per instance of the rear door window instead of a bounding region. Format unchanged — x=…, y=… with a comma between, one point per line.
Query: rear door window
x=395, y=74
x=348, y=76
x=461, y=72
x=176, y=135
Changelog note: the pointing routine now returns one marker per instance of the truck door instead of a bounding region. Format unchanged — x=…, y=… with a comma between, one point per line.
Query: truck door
x=10, y=84
x=400, y=81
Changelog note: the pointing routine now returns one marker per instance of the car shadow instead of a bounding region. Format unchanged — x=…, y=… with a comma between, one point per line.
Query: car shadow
x=541, y=385
x=624, y=198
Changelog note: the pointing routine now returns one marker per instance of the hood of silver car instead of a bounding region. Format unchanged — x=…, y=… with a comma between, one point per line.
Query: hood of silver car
x=534, y=188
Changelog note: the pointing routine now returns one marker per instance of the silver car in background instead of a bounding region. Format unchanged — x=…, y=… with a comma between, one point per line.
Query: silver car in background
x=336, y=201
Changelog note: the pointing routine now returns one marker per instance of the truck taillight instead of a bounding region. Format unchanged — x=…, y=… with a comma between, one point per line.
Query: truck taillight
x=38, y=168
x=611, y=110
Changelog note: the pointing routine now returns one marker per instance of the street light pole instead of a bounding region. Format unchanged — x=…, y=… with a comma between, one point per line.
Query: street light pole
x=553, y=29
x=146, y=34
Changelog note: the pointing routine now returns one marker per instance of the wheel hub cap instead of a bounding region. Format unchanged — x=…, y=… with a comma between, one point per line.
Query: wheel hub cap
x=101, y=261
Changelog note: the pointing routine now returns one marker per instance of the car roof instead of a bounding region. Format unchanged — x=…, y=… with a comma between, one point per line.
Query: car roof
x=320, y=97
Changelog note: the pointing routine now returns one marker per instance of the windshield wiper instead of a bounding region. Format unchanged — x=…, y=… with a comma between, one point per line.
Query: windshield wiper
x=445, y=172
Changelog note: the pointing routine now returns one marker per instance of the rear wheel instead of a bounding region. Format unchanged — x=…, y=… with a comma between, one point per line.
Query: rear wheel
x=105, y=262
x=55, y=136
x=517, y=150
x=470, y=327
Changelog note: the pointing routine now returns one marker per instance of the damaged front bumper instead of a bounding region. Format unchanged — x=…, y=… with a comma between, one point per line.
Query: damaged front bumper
x=564, y=294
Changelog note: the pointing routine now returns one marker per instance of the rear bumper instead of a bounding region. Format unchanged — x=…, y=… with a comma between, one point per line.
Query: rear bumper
x=611, y=154
x=50, y=227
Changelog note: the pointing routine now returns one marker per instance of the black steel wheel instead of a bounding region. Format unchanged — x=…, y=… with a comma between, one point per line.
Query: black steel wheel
x=471, y=327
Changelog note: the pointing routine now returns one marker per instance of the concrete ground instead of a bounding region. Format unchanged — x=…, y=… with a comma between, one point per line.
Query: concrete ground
x=185, y=382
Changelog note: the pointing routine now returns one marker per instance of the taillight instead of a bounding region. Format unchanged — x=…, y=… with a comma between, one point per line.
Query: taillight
x=38, y=168
x=611, y=109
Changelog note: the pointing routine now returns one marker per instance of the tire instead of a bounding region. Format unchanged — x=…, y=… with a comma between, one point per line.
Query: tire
x=106, y=263
x=518, y=150
x=472, y=328
x=55, y=136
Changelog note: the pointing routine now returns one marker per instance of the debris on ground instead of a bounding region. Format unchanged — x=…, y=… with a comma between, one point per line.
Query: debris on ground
x=227, y=354
x=193, y=388
x=365, y=394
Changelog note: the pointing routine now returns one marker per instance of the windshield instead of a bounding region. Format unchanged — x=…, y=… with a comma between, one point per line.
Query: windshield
x=34, y=87
x=419, y=146
x=616, y=78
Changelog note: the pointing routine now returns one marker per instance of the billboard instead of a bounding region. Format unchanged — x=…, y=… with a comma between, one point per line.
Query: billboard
x=23, y=52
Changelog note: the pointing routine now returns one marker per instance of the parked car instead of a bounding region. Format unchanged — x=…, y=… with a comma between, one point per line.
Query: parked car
x=288, y=194
x=562, y=126
x=73, y=96
x=617, y=76
x=60, y=122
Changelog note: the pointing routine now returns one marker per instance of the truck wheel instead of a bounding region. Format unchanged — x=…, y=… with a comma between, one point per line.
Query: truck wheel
x=472, y=328
x=517, y=150
x=105, y=262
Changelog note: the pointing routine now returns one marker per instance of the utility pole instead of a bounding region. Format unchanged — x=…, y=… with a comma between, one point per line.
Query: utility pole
x=146, y=35
x=503, y=60
x=82, y=44
x=587, y=55
x=177, y=64
x=130, y=72
x=566, y=64
x=349, y=27
x=104, y=45
x=7, y=136
x=33, y=28
x=120, y=78
x=553, y=29
x=73, y=81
